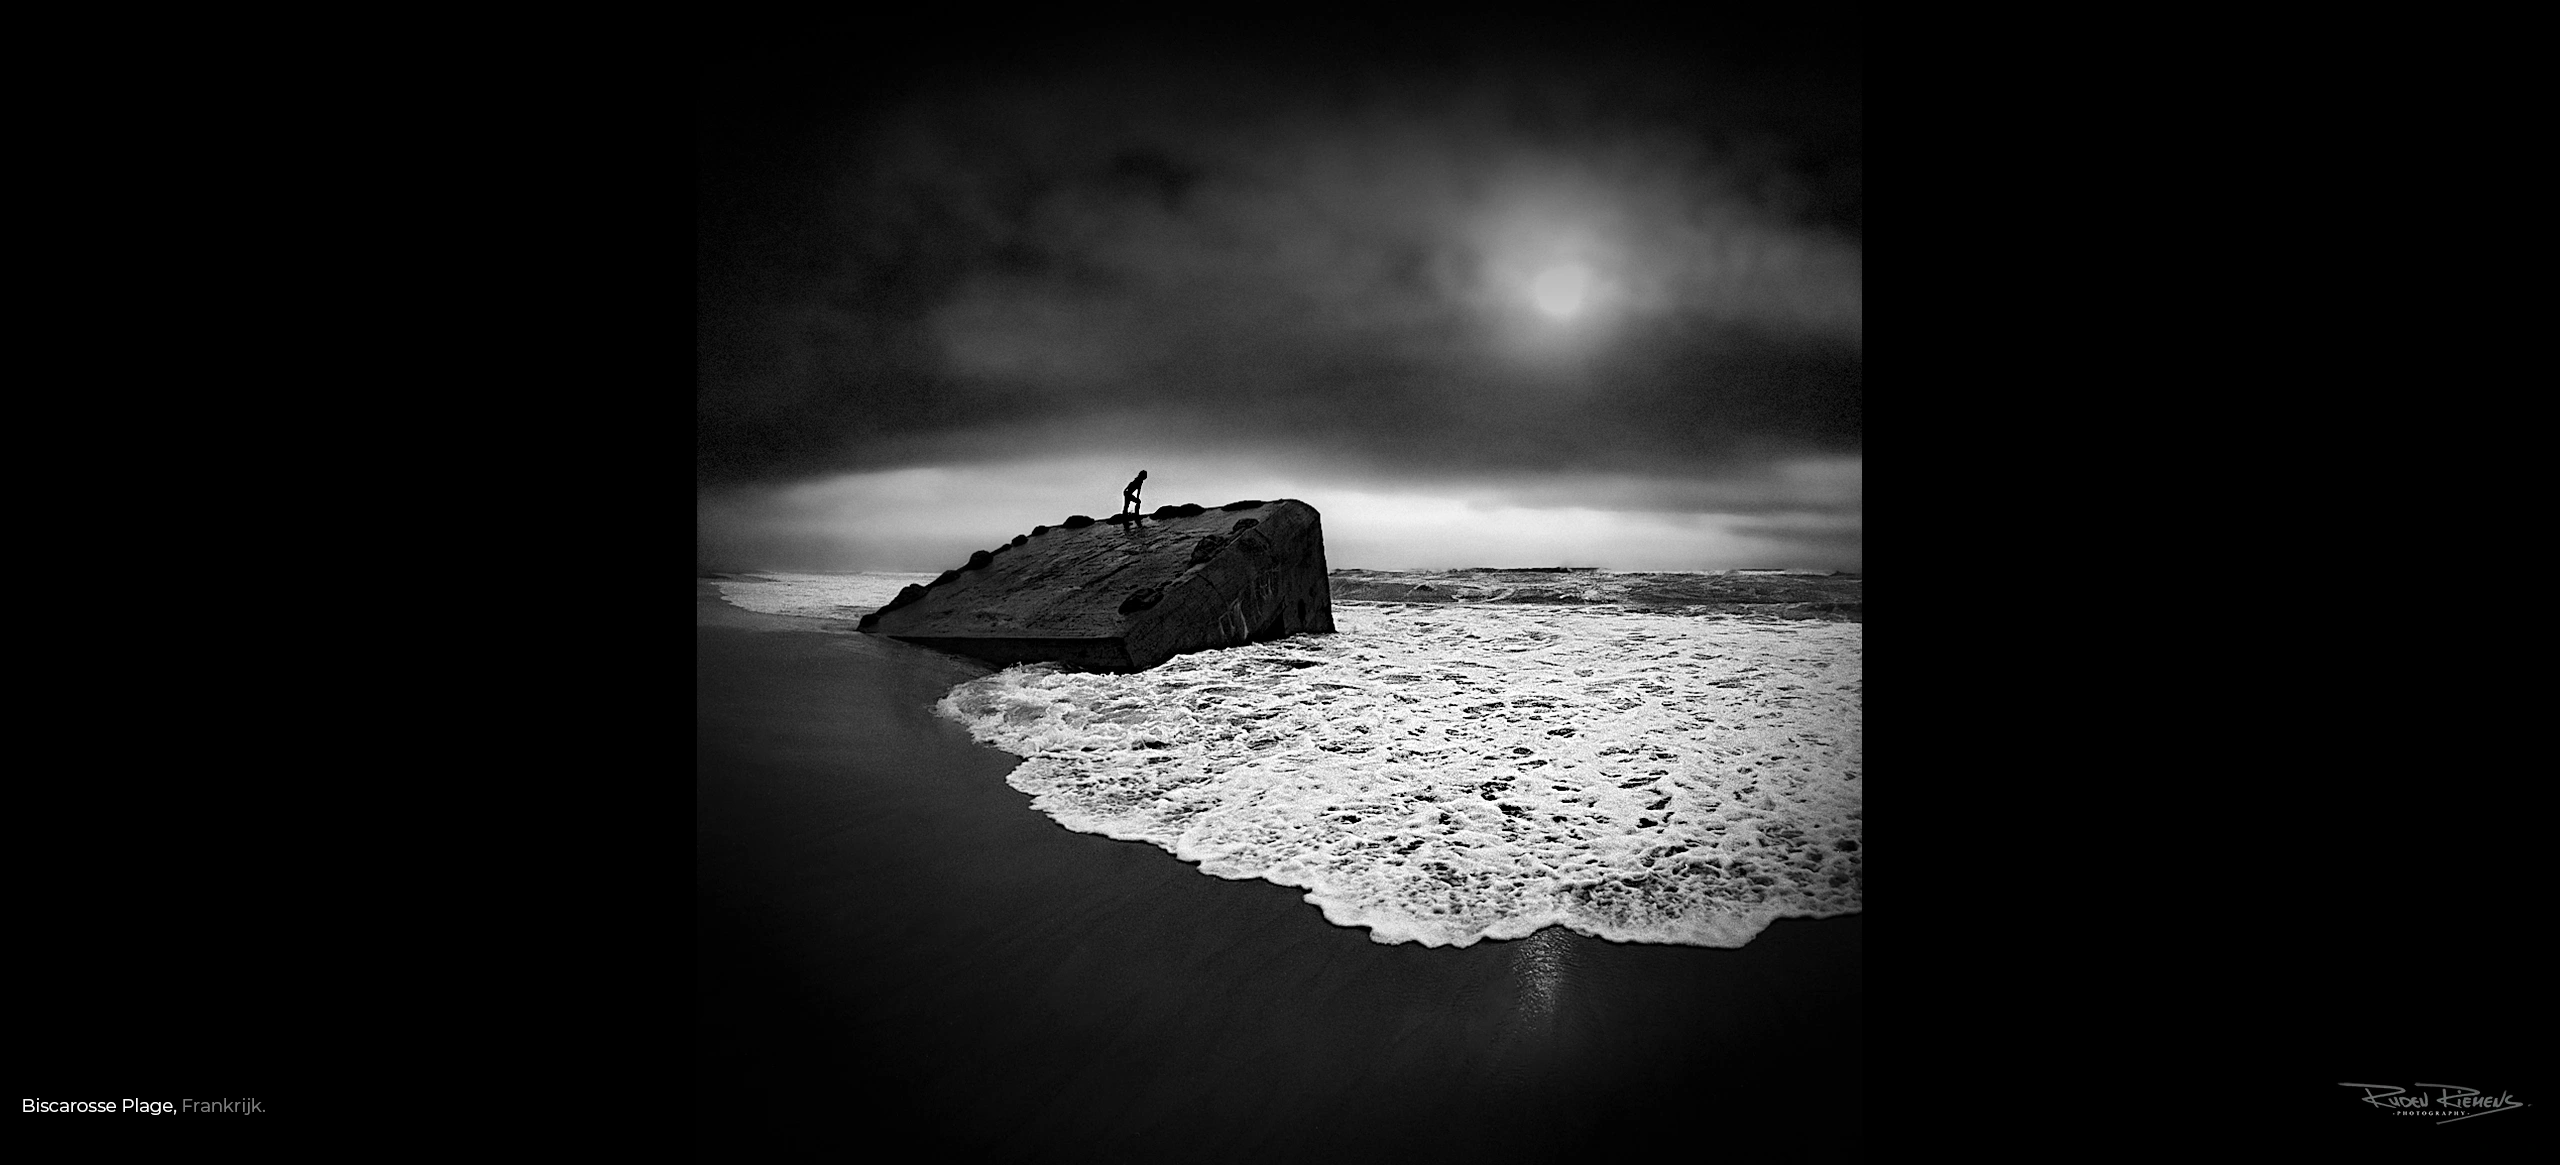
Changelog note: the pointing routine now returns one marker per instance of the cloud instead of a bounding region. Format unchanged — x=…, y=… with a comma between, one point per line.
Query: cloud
x=1215, y=242
x=1802, y=512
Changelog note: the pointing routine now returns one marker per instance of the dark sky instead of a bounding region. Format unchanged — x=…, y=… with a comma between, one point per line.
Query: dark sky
x=1483, y=294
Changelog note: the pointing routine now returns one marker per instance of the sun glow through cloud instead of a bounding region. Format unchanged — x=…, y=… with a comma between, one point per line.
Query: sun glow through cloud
x=1523, y=312
x=1560, y=290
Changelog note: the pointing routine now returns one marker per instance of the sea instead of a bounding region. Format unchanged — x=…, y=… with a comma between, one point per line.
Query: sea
x=1473, y=754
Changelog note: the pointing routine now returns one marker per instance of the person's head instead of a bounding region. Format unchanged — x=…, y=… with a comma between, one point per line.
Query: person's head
x=1142, y=475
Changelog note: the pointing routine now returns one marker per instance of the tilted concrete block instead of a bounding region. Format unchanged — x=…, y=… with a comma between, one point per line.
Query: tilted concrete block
x=1127, y=596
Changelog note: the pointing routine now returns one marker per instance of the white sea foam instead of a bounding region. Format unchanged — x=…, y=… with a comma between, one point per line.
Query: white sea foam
x=1451, y=773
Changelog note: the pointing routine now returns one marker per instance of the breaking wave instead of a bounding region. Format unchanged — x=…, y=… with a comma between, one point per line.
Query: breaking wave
x=1446, y=774
x=814, y=596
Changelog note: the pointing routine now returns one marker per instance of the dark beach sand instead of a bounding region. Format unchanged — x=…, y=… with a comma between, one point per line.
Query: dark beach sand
x=892, y=944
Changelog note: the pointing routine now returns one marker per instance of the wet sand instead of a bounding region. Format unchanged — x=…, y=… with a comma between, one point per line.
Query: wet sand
x=891, y=943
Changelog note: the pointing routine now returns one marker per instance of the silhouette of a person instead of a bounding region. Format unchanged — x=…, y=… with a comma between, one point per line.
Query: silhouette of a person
x=1129, y=493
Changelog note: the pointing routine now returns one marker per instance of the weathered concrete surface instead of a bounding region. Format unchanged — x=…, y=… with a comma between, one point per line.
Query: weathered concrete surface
x=1128, y=596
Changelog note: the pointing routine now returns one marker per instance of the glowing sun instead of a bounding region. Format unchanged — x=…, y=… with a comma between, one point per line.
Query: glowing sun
x=1559, y=291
